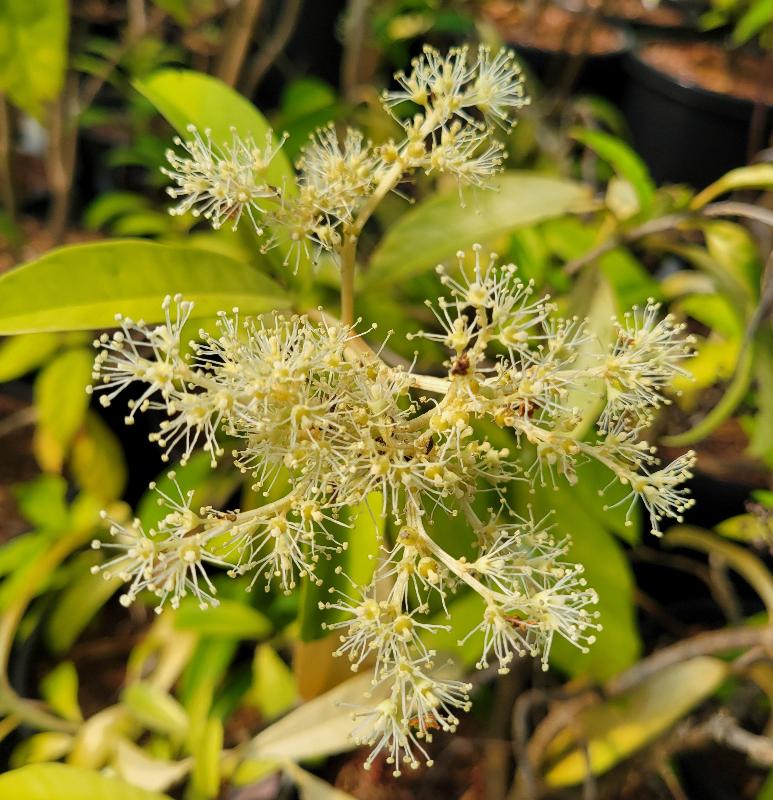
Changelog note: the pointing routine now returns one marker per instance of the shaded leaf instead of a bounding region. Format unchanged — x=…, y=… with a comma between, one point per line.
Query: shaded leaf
x=155, y=709
x=619, y=727
x=758, y=176
x=229, y=619
x=60, y=690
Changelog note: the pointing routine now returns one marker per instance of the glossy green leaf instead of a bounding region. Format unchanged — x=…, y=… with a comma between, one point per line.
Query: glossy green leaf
x=33, y=52
x=63, y=782
x=60, y=690
x=758, y=176
x=439, y=227
x=229, y=619
x=619, y=727
x=22, y=354
x=155, y=709
x=622, y=158
x=61, y=400
x=193, y=98
x=82, y=287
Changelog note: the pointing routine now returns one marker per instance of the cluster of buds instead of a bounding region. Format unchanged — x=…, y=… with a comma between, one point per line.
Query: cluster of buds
x=460, y=97
x=311, y=401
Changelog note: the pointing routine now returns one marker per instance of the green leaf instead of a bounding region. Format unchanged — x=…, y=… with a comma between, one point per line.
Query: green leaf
x=624, y=160
x=205, y=778
x=41, y=747
x=60, y=690
x=734, y=394
x=753, y=21
x=63, y=782
x=61, y=402
x=97, y=461
x=111, y=205
x=33, y=52
x=229, y=619
x=439, y=227
x=42, y=502
x=155, y=709
x=84, y=286
x=759, y=176
x=22, y=354
x=357, y=562
x=273, y=686
x=192, y=98
x=607, y=570
x=76, y=607
x=619, y=727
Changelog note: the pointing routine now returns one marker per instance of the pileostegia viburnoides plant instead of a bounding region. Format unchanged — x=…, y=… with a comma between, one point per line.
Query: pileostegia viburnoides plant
x=307, y=397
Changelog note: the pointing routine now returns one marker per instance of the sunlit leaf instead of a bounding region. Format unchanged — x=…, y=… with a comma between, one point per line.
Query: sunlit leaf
x=758, y=176
x=273, y=685
x=82, y=287
x=193, y=98
x=22, y=354
x=63, y=782
x=229, y=619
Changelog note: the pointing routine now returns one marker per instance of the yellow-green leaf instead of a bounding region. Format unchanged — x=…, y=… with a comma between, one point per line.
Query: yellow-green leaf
x=155, y=709
x=758, y=176
x=273, y=685
x=82, y=287
x=22, y=354
x=619, y=727
x=97, y=461
x=61, y=402
x=437, y=228
x=60, y=690
x=33, y=52
x=229, y=619
x=193, y=98
x=63, y=782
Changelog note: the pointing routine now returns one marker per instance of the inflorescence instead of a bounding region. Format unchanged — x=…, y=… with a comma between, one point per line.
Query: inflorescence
x=306, y=404
x=460, y=97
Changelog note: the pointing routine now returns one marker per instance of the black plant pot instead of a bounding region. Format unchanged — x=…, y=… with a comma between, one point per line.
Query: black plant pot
x=599, y=74
x=687, y=134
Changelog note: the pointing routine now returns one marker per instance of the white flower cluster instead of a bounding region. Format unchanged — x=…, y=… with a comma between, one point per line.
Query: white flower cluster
x=309, y=400
x=460, y=97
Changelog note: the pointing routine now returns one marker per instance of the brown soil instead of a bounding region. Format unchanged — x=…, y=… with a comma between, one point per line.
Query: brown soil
x=555, y=29
x=710, y=66
x=37, y=241
x=635, y=11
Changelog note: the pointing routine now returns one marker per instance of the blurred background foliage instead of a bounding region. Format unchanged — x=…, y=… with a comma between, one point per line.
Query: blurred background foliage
x=642, y=169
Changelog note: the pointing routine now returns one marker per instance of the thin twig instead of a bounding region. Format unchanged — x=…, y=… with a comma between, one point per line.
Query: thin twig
x=236, y=40
x=18, y=420
x=272, y=49
x=702, y=644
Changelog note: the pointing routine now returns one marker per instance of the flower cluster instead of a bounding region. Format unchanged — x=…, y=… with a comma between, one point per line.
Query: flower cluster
x=308, y=400
x=460, y=98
